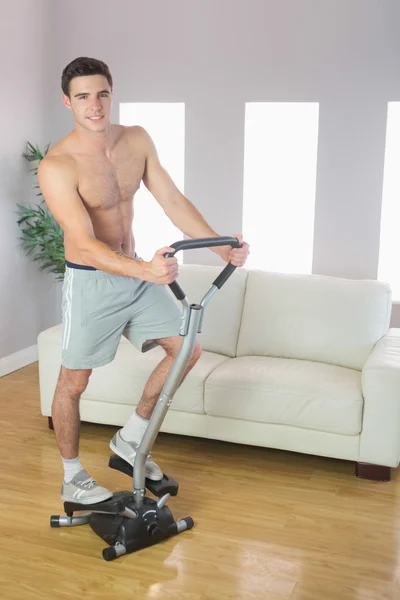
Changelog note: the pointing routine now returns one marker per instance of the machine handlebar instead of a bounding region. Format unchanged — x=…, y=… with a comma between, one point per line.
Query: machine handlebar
x=204, y=243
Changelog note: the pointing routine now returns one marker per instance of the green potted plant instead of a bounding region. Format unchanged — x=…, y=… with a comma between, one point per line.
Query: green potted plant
x=41, y=236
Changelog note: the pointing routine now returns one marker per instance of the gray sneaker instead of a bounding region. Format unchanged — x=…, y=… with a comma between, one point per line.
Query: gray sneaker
x=84, y=489
x=127, y=451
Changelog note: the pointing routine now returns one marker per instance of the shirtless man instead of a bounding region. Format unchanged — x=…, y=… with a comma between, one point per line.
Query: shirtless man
x=88, y=180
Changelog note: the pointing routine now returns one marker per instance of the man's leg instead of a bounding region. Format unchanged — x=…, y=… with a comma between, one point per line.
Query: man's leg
x=96, y=307
x=126, y=440
x=159, y=376
x=65, y=410
x=77, y=485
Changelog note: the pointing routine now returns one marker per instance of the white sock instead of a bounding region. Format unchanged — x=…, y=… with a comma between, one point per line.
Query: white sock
x=72, y=466
x=134, y=429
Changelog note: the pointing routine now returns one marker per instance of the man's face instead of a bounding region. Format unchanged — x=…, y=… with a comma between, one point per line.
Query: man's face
x=90, y=101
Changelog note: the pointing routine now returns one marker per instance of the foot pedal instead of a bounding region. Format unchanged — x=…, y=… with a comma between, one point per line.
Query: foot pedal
x=166, y=485
x=119, y=464
x=113, y=505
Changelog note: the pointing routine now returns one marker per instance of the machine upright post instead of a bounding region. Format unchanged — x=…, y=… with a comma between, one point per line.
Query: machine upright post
x=164, y=401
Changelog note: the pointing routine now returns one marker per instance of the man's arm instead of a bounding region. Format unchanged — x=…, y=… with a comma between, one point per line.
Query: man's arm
x=57, y=182
x=183, y=214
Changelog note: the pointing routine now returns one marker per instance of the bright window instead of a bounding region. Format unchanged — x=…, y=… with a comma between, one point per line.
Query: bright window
x=165, y=122
x=280, y=161
x=389, y=250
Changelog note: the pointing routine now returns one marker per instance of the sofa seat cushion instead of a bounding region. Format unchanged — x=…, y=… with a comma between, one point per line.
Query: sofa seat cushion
x=123, y=380
x=291, y=392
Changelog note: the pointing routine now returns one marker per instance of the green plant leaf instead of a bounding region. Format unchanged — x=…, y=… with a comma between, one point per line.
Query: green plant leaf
x=41, y=236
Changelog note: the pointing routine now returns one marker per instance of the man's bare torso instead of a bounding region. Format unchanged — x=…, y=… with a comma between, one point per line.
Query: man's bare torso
x=106, y=186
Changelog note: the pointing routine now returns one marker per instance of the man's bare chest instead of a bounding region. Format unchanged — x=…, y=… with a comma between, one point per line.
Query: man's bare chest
x=105, y=183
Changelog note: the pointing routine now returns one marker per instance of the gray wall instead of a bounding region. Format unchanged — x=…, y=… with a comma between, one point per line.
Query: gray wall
x=214, y=55
x=27, y=297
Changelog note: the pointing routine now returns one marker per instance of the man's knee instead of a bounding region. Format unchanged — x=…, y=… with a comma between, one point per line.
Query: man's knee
x=75, y=381
x=197, y=350
x=196, y=353
x=173, y=345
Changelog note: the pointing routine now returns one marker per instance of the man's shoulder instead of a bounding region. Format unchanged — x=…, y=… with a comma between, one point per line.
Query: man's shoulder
x=58, y=160
x=139, y=139
x=60, y=152
x=135, y=133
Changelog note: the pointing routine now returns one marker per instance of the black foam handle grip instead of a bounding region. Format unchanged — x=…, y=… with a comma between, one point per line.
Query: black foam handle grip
x=177, y=290
x=224, y=275
x=204, y=243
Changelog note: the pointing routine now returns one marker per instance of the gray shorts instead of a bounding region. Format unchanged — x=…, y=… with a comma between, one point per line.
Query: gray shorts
x=97, y=308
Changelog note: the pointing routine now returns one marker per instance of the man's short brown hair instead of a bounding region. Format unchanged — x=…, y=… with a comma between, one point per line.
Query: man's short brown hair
x=84, y=66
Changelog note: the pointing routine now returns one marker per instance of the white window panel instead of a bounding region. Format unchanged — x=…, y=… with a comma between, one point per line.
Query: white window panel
x=165, y=123
x=280, y=163
x=389, y=249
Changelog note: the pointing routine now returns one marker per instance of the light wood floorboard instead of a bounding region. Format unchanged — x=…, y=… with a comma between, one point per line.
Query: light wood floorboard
x=269, y=525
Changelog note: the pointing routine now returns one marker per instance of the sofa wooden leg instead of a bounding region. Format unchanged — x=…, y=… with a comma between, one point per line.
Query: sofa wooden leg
x=50, y=421
x=374, y=472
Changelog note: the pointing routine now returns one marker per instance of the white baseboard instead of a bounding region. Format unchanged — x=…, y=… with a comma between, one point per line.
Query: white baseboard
x=16, y=361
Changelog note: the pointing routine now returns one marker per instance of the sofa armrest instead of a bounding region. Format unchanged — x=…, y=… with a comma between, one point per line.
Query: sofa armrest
x=380, y=436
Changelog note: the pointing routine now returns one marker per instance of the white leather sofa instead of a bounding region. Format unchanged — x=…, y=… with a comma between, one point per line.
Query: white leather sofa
x=304, y=363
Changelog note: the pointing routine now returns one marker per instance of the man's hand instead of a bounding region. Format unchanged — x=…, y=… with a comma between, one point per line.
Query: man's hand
x=161, y=270
x=237, y=256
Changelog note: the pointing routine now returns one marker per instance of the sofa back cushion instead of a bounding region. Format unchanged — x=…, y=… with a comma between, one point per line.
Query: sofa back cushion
x=313, y=317
x=223, y=313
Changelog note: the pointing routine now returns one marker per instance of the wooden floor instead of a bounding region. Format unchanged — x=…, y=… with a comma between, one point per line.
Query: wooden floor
x=268, y=525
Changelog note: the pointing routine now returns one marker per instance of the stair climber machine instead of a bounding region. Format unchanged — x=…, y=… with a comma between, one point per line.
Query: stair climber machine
x=130, y=520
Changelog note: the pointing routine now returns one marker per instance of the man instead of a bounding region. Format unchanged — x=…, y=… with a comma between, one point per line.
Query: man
x=88, y=180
